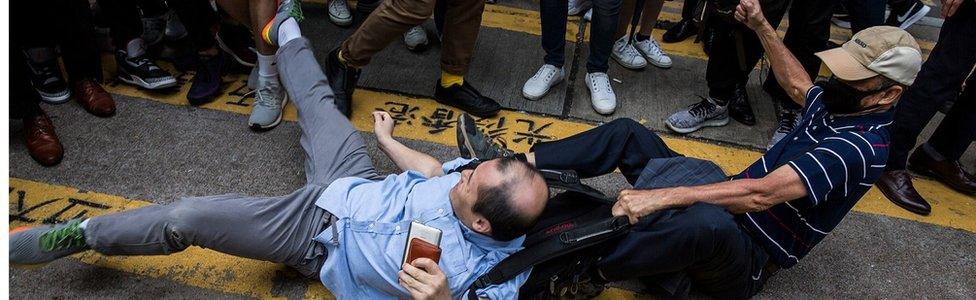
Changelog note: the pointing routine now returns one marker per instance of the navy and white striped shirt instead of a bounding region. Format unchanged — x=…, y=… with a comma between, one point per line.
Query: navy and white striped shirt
x=837, y=158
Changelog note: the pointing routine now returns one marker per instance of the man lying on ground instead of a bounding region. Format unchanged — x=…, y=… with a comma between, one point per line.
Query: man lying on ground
x=347, y=225
x=727, y=238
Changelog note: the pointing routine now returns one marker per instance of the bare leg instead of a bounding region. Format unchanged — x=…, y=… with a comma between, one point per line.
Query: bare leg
x=652, y=9
x=626, y=16
x=261, y=11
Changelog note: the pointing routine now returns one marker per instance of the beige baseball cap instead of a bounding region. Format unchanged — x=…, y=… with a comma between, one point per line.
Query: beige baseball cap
x=881, y=50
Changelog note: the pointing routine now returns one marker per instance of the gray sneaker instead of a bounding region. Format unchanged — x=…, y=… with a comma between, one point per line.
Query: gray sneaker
x=42, y=244
x=788, y=120
x=269, y=100
x=416, y=39
x=472, y=143
x=702, y=114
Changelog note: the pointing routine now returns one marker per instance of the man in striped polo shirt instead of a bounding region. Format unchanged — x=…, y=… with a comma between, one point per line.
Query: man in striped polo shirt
x=726, y=238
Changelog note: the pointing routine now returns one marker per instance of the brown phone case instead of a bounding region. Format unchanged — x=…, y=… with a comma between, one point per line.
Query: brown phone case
x=420, y=248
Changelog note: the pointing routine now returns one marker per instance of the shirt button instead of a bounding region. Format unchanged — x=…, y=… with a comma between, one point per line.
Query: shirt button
x=814, y=127
x=440, y=210
x=398, y=227
x=795, y=138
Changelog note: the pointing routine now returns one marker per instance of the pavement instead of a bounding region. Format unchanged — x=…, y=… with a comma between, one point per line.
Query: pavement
x=157, y=149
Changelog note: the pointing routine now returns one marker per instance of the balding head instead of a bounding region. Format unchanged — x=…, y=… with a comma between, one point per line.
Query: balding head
x=501, y=198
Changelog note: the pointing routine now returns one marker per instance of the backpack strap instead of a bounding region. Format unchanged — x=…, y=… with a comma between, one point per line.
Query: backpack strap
x=564, y=243
x=568, y=180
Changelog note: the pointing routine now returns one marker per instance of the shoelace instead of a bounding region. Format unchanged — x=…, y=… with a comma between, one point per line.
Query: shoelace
x=69, y=236
x=655, y=47
x=787, y=122
x=547, y=72
x=339, y=4
x=702, y=108
x=603, y=82
x=416, y=32
x=264, y=96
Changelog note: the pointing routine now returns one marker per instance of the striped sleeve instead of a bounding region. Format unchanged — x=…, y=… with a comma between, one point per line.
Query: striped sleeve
x=838, y=166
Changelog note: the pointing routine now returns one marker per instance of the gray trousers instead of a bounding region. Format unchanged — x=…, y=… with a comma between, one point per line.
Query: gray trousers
x=277, y=229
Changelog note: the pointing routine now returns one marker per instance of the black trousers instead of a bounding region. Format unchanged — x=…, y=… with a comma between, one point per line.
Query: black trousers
x=700, y=246
x=198, y=17
x=808, y=33
x=940, y=80
x=66, y=24
x=125, y=17
x=24, y=100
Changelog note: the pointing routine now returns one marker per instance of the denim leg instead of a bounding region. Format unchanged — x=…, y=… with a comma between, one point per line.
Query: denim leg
x=605, y=16
x=553, y=14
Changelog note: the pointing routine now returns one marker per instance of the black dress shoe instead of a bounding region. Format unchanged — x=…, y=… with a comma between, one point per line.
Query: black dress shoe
x=466, y=98
x=342, y=79
x=897, y=187
x=947, y=171
x=680, y=31
x=740, y=109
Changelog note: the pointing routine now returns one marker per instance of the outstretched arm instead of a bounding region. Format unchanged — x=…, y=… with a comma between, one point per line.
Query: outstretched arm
x=737, y=196
x=405, y=158
x=788, y=70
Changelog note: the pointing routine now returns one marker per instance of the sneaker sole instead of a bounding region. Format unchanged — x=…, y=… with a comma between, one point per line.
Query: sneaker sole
x=708, y=123
x=24, y=266
x=340, y=22
x=628, y=66
x=418, y=48
x=238, y=59
x=59, y=98
x=260, y=128
x=137, y=81
x=546, y=92
x=465, y=143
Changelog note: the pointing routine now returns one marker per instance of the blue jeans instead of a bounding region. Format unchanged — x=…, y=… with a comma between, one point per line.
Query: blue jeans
x=602, y=32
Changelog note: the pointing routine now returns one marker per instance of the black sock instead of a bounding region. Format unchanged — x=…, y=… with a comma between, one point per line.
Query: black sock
x=642, y=37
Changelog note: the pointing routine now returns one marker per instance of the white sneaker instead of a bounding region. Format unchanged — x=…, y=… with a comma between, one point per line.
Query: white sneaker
x=540, y=83
x=415, y=38
x=653, y=52
x=588, y=16
x=601, y=94
x=339, y=13
x=628, y=56
x=577, y=6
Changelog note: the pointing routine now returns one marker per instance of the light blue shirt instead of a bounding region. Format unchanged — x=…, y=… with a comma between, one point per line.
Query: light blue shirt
x=373, y=220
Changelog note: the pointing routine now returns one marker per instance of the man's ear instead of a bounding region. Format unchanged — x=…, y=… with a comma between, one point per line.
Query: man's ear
x=481, y=225
x=891, y=95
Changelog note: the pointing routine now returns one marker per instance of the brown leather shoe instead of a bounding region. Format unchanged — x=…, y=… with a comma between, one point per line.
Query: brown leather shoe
x=897, y=187
x=94, y=98
x=42, y=142
x=949, y=172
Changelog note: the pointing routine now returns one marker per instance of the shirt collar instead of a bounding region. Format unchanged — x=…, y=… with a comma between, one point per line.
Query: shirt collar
x=862, y=122
x=488, y=243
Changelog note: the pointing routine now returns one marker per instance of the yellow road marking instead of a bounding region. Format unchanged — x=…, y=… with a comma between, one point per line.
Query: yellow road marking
x=425, y=120
x=34, y=203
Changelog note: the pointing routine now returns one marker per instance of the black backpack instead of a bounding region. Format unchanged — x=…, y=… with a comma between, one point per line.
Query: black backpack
x=574, y=231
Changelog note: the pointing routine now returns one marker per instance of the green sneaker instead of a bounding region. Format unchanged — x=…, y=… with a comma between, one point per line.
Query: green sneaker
x=42, y=244
x=472, y=143
x=287, y=9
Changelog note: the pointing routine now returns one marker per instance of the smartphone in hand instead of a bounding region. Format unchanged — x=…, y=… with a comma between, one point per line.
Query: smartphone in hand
x=422, y=241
